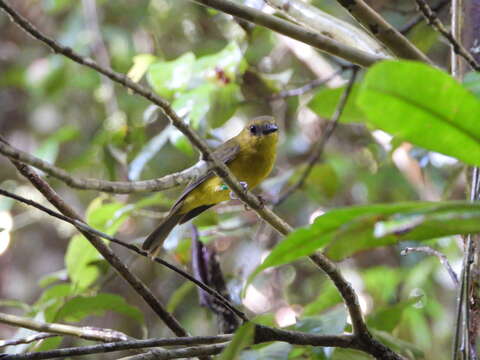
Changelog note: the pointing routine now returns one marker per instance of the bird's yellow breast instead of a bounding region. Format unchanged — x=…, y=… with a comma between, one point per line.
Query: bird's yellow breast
x=252, y=165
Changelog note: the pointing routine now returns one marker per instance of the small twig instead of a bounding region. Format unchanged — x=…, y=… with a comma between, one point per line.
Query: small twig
x=318, y=149
x=307, y=87
x=27, y=339
x=118, y=187
x=458, y=48
x=119, y=346
x=419, y=18
x=429, y=251
x=84, y=332
x=185, y=353
x=85, y=227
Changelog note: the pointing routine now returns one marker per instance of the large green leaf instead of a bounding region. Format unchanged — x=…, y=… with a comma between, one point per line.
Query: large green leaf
x=80, y=307
x=423, y=105
x=345, y=231
x=386, y=318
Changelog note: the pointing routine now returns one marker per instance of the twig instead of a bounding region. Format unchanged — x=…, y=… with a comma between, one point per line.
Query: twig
x=118, y=187
x=119, y=346
x=84, y=332
x=419, y=18
x=27, y=339
x=84, y=227
x=383, y=31
x=307, y=87
x=366, y=342
x=429, y=251
x=294, y=31
x=318, y=149
x=166, y=354
x=458, y=48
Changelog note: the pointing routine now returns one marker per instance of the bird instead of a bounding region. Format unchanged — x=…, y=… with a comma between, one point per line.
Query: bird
x=250, y=155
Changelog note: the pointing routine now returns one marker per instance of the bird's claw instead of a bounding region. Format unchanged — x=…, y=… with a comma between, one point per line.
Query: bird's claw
x=244, y=186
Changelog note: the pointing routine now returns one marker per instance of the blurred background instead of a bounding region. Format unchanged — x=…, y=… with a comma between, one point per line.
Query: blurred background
x=217, y=72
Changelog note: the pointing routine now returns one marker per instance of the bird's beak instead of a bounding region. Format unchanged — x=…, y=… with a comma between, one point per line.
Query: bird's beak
x=269, y=128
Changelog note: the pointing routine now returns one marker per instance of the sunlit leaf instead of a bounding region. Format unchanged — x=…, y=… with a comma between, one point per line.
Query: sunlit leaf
x=414, y=101
x=141, y=63
x=81, y=307
x=166, y=77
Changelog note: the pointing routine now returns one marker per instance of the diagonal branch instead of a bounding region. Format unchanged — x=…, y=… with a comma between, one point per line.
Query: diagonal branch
x=383, y=31
x=294, y=31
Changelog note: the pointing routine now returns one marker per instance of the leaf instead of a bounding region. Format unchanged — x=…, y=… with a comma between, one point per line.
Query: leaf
x=386, y=318
x=398, y=345
x=243, y=337
x=331, y=323
x=79, y=259
x=179, y=295
x=141, y=63
x=352, y=229
x=275, y=351
x=49, y=149
x=80, y=307
x=423, y=105
x=167, y=77
x=59, y=291
x=328, y=296
x=325, y=101
x=224, y=104
x=49, y=279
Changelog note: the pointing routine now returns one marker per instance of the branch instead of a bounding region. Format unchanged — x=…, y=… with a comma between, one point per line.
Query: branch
x=383, y=31
x=119, y=346
x=27, y=339
x=418, y=19
x=458, y=48
x=84, y=332
x=318, y=149
x=84, y=227
x=367, y=343
x=118, y=187
x=328, y=25
x=294, y=31
x=429, y=251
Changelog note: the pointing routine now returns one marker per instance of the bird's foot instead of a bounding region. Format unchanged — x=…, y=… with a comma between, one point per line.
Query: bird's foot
x=244, y=186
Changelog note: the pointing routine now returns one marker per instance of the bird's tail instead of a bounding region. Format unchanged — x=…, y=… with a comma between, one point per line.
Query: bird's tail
x=154, y=241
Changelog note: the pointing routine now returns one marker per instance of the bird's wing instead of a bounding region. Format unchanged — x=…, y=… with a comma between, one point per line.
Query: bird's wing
x=225, y=153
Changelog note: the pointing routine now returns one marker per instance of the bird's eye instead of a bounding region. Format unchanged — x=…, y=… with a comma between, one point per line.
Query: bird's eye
x=253, y=129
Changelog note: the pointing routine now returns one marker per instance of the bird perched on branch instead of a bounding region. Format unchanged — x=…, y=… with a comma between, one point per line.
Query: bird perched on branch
x=250, y=156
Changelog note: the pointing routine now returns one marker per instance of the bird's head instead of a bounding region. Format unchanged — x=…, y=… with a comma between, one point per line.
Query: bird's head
x=261, y=131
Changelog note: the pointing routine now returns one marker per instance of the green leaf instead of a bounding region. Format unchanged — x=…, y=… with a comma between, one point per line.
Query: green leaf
x=243, y=337
x=141, y=64
x=179, y=295
x=79, y=261
x=224, y=104
x=386, y=318
x=352, y=229
x=229, y=61
x=325, y=101
x=49, y=149
x=60, y=291
x=423, y=105
x=398, y=345
x=275, y=351
x=49, y=279
x=194, y=105
x=81, y=307
x=331, y=323
x=167, y=77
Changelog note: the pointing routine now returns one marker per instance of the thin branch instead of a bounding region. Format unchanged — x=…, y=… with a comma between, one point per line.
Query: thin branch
x=367, y=343
x=185, y=353
x=429, y=251
x=294, y=31
x=307, y=87
x=119, y=346
x=458, y=48
x=419, y=18
x=84, y=227
x=84, y=332
x=27, y=339
x=318, y=149
x=118, y=187
x=383, y=31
